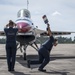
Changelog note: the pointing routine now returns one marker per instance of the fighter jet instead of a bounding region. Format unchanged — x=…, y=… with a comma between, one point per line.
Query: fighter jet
x=27, y=33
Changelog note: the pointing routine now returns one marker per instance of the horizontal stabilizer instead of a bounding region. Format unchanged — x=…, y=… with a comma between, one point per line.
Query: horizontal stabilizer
x=57, y=33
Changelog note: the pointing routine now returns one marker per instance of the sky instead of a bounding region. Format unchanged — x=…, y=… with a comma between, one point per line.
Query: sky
x=60, y=13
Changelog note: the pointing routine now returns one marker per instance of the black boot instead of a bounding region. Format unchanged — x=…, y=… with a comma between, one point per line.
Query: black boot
x=43, y=70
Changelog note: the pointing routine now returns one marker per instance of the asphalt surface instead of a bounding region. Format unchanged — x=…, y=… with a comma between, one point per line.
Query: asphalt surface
x=62, y=61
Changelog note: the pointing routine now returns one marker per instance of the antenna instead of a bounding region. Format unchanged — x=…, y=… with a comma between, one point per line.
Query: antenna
x=27, y=3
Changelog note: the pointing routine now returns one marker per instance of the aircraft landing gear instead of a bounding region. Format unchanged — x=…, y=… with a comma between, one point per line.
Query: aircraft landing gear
x=25, y=46
x=24, y=56
x=22, y=48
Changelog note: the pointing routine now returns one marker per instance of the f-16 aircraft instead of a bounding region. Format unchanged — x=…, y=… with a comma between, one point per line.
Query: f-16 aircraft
x=27, y=33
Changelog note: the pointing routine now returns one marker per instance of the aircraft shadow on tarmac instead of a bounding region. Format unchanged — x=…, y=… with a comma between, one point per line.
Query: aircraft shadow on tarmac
x=33, y=57
x=23, y=62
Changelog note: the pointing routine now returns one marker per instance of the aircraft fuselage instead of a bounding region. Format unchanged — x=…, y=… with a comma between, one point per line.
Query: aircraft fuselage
x=26, y=30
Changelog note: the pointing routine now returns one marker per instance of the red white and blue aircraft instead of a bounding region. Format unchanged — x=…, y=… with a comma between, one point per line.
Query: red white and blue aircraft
x=27, y=33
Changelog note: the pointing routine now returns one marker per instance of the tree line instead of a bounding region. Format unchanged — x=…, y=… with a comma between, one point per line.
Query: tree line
x=61, y=40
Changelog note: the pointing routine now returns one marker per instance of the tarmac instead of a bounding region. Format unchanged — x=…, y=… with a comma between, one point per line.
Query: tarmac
x=62, y=61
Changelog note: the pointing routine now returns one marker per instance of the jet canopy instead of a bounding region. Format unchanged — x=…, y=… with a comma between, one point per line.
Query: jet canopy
x=23, y=13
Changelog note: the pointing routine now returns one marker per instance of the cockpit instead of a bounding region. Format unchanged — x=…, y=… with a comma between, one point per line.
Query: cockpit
x=23, y=13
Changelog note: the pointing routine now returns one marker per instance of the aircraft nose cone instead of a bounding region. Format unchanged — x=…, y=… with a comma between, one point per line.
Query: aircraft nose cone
x=23, y=27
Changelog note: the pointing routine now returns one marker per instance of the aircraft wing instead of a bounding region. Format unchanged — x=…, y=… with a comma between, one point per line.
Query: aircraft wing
x=44, y=33
x=2, y=33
